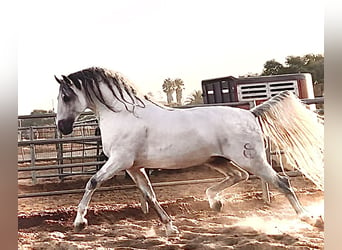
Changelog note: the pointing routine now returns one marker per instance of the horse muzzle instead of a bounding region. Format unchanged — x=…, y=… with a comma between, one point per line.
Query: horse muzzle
x=66, y=125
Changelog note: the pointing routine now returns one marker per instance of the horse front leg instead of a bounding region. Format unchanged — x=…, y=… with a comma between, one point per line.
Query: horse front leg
x=143, y=183
x=112, y=167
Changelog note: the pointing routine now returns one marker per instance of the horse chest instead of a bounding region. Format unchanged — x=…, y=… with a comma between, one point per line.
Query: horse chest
x=126, y=140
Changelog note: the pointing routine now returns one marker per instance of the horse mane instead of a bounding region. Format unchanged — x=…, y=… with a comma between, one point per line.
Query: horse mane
x=89, y=80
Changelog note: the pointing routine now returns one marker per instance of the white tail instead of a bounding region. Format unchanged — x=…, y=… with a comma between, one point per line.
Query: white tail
x=297, y=131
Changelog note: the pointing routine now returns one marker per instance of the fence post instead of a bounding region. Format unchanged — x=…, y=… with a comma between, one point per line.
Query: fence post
x=59, y=147
x=83, y=147
x=20, y=138
x=264, y=185
x=98, y=146
x=33, y=157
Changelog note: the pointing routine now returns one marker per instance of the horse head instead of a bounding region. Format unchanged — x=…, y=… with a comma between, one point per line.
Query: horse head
x=71, y=103
x=94, y=88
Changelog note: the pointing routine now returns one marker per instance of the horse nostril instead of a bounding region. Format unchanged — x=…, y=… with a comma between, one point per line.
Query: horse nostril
x=60, y=125
x=65, y=125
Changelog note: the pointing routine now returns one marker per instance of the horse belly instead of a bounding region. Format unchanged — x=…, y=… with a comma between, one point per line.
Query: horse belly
x=177, y=156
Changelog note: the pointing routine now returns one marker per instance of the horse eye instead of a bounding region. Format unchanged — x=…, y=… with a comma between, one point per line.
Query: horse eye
x=65, y=98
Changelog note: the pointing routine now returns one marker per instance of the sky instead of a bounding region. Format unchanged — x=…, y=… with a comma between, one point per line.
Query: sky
x=151, y=40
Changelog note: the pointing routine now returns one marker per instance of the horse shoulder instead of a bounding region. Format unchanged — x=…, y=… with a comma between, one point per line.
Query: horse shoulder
x=122, y=136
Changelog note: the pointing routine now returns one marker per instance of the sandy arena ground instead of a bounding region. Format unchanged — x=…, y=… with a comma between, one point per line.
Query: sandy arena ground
x=116, y=221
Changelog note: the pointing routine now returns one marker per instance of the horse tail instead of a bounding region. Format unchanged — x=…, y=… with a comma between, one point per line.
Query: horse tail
x=296, y=131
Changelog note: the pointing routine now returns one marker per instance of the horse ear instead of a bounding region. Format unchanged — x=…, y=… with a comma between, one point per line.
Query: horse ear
x=58, y=80
x=66, y=79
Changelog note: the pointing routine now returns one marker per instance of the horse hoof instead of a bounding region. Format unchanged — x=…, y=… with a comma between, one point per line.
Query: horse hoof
x=314, y=221
x=217, y=206
x=319, y=223
x=80, y=226
x=171, y=230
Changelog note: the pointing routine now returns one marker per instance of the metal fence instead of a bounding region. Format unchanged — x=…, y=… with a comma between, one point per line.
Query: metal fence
x=44, y=153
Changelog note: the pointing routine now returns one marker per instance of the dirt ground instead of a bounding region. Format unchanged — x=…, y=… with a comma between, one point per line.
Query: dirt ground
x=117, y=222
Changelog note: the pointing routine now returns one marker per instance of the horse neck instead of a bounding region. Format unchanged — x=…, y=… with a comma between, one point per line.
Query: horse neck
x=102, y=112
x=97, y=106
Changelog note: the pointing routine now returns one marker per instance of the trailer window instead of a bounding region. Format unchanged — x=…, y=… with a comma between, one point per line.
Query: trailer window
x=261, y=91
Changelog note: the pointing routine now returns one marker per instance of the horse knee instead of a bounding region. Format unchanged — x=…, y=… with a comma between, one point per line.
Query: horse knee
x=239, y=174
x=92, y=183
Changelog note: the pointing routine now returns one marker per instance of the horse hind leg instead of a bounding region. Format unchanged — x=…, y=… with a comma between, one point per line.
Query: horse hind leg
x=282, y=183
x=233, y=175
x=140, y=178
x=144, y=204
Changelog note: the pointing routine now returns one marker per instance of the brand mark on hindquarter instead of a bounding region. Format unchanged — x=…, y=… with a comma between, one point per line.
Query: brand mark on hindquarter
x=249, y=151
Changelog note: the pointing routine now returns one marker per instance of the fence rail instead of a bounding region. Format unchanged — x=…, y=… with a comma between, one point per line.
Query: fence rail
x=60, y=140
x=133, y=186
x=78, y=154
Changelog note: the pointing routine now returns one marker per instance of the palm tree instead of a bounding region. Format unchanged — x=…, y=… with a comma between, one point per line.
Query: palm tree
x=168, y=88
x=178, y=86
x=194, y=98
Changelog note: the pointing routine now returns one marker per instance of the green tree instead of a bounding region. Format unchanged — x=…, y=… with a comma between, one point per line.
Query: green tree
x=194, y=98
x=272, y=67
x=295, y=64
x=309, y=63
x=315, y=65
x=38, y=121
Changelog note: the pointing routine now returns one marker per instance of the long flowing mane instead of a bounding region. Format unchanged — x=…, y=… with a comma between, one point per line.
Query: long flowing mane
x=122, y=90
